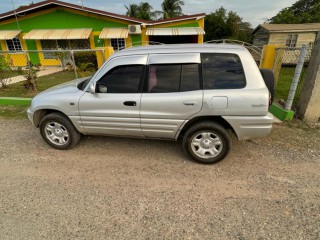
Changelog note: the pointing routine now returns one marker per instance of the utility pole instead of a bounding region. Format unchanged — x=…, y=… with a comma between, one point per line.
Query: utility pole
x=309, y=103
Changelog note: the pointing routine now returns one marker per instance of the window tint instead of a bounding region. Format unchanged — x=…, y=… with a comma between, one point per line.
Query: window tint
x=122, y=79
x=222, y=71
x=166, y=78
x=190, y=77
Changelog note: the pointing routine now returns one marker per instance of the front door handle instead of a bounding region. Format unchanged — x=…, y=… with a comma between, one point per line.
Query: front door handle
x=130, y=103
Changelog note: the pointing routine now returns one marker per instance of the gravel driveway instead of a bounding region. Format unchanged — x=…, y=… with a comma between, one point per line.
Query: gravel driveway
x=113, y=188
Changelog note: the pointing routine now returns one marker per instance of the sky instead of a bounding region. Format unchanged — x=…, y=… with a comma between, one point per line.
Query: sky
x=253, y=11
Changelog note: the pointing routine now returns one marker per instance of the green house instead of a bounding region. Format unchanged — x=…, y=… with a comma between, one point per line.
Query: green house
x=54, y=25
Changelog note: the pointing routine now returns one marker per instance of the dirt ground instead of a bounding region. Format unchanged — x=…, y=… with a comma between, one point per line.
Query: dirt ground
x=115, y=188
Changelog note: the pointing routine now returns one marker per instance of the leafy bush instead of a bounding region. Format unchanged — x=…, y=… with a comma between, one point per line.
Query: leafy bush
x=88, y=59
x=4, y=70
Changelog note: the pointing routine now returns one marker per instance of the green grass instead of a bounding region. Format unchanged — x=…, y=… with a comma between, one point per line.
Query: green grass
x=13, y=112
x=284, y=83
x=43, y=83
x=13, y=73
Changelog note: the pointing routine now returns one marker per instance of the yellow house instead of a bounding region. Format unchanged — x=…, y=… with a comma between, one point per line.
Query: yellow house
x=54, y=25
x=290, y=35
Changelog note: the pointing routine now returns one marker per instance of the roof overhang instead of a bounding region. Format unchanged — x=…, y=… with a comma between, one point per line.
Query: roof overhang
x=54, y=34
x=287, y=28
x=47, y=3
x=195, y=17
x=108, y=33
x=175, y=31
x=9, y=34
x=55, y=3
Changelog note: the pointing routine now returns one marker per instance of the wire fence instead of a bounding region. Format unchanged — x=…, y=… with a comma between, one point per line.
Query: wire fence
x=284, y=69
x=24, y=74
x=255, y=51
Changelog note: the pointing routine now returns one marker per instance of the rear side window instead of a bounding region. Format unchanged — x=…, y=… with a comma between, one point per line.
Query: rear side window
x=165, y=78
x=222, y=71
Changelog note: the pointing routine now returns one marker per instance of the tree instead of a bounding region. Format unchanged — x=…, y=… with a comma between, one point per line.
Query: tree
x=132, y=10
x=222, y=24
x=23, y=6
x=303, y=11
x=142, y=11
x=171, y=8
x=145, y=11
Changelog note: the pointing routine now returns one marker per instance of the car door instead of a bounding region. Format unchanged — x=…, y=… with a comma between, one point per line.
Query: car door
x=172, y=93
x=226, y=89
x=115, y=106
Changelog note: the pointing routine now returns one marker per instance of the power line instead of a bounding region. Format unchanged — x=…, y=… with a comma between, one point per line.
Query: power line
x=15, y=14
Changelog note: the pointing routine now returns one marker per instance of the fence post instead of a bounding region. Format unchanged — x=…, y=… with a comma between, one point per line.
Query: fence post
x=296, y=76
x=74, y=64
x=30, y=72
x=103, y=56
x=309, y=102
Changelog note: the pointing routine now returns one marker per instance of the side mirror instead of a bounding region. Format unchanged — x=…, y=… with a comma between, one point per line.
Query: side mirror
x=92, y=88
x=102, y=88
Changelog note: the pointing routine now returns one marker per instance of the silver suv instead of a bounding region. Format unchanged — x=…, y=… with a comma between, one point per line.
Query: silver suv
x=197, y=93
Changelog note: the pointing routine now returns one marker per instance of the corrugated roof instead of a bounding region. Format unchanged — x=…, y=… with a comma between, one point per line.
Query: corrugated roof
x=53, y=34
x=9, y=34
x=39, y=5
x=175, y=31
x=290, y=27
x=108, y=33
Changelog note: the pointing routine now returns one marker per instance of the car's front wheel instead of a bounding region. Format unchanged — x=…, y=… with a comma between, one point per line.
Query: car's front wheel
x=207, y=142
x=58, y=131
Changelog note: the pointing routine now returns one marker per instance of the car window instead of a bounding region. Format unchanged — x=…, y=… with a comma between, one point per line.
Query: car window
x=122, y=79
x=222, y=71
x=190, y=79
x=165, y=78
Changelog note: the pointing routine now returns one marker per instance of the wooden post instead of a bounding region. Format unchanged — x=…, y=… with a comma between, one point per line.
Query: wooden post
x=309, y=103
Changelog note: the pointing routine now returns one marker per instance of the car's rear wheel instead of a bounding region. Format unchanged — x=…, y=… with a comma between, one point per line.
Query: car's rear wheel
x=58, y=131
x=207, y=142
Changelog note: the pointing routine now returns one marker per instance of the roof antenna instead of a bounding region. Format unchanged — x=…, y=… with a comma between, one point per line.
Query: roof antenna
x=15, y=14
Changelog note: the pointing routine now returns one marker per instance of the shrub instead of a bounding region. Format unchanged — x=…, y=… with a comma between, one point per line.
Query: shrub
x=88, y=59
x=4, y=70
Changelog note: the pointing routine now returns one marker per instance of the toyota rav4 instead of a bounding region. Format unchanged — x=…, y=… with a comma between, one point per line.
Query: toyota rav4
x=197, y=93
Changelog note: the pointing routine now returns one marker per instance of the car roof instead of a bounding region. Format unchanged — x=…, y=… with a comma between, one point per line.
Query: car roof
x=180, y=48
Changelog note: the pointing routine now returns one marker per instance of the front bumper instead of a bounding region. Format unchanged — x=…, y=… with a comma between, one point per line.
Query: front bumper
x=30, y=115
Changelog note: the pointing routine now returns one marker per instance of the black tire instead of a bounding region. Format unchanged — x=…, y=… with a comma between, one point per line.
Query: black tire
x=58, y=131
x=269, y=80
x=207, y=133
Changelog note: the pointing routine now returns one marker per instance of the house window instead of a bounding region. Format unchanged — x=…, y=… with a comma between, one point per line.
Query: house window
x=292, y=40
x=64, y=45
x=118, y=43
x=14, y=44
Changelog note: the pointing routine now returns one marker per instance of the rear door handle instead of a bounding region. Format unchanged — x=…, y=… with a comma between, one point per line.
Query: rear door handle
x=130, y=103
x=190, y=103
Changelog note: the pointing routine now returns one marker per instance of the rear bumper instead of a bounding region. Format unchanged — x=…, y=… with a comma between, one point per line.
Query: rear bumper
x=247, y=127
